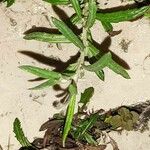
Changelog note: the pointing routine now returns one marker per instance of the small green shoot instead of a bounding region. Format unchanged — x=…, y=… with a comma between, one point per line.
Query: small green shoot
x=20, y=135
x=70, y=111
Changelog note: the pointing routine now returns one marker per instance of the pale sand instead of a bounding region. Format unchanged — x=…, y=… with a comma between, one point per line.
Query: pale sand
x=35, y=107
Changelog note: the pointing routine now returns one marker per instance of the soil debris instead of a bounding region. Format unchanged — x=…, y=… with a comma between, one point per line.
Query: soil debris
x=97, y=124
x=125, y=45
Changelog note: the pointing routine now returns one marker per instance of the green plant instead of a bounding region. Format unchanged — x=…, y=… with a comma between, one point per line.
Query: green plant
x=19, y=134
x=9, y=2
x=91, y=58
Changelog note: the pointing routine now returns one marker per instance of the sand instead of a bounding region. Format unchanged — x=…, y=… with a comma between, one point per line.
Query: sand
x=35, y=107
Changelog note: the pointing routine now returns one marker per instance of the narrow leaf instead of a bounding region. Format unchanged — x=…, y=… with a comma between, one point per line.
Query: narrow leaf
x=43, y=73
x=70, y=111
x=123, y=15
x=100, y=74
x=92, y=13
x=76, y=6
x=100, y=64
x=87, y=95
x=90, y=139
x=88, y=124
x=70, y=70
x=107, y=26
x=93, y=51
x=46, y=37
x=68, y=33
x=75, y=19
x=50, y=82
x=118, y=69
x=96, y=53
x=57, y=2
x=19, y=134
x=147, y=13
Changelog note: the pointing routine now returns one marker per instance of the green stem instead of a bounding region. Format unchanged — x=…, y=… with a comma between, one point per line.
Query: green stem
x=84, y=38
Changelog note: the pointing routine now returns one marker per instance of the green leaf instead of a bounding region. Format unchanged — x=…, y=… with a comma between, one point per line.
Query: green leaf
x=70, y=111
x=85, y=125
x=70, y=70
x=50, y=82
x=46, y=37
x=100, y=74
x=135, y=116
x=107, y=61
x=76, y=6
x=92, y=13
x=68, y=33
x=94, y=52
x=87, y=95
x=147, y=13
x=118, y=69
x=100, y=64
x=127, y=125
x=9, y=2
x=125, y=113
x=123, y=15
x=43, y=73
x=57, y=2
x=89, y=139
x=19, y=134
x=75, y=19
x=107, y=26
x=115, y=121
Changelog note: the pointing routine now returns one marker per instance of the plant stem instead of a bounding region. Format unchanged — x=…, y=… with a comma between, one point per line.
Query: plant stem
x=84, y=38
x=85, y=29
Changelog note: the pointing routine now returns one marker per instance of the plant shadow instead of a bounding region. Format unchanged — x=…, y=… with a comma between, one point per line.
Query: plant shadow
x=27, y=148
x=104, y=47
x=65, y=18
x=59, y=65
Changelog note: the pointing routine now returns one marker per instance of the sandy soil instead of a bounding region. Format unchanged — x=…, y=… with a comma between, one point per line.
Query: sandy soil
x=35, y=107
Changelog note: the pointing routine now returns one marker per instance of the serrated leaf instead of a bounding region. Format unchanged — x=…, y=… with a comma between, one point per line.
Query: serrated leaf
x=43, y=73
x=123, y=15
x=19, y=133
x=76, y=6
x=92, y=13
x=70, y=111
x=68, y=33
x=86, y=95
x=100, y=64
x=50, y=82
x=46, y=37
x=118, y=69
x=57, y=2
